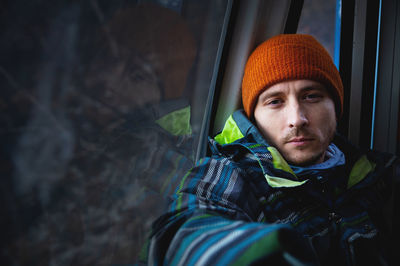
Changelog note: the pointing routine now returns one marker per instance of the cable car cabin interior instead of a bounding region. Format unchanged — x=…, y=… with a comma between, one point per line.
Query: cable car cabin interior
x=105, y=105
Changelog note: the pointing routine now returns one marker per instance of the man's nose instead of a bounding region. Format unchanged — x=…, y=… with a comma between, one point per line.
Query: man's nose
x=297, y=115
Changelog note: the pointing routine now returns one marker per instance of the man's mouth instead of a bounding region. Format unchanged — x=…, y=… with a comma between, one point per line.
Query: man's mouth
x=300, y=141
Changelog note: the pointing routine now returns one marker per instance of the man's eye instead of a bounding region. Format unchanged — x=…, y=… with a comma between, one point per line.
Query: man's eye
x=274, y=102
x=313, y=97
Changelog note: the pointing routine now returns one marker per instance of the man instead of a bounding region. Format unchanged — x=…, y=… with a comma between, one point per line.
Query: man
x=281, y=188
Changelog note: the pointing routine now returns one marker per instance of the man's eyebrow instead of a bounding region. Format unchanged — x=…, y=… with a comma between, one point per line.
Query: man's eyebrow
x=270, y=94
x=314, y=87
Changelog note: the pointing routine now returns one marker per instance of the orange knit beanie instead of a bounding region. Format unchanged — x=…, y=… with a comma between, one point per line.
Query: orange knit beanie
x=289, y=57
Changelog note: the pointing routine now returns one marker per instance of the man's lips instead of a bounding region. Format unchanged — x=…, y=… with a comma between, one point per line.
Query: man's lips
x=300, y=141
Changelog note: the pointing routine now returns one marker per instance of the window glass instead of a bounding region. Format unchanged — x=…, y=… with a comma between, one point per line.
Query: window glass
x=101, y=107
x=318, y=18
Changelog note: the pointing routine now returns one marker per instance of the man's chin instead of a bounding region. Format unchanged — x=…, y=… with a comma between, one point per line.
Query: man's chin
x=305, y=159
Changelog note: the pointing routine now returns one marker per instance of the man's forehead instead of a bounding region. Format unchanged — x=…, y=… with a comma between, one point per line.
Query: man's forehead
x=297, y=85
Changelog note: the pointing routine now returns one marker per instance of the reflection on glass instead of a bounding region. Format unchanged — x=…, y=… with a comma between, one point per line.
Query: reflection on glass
x=98, y=129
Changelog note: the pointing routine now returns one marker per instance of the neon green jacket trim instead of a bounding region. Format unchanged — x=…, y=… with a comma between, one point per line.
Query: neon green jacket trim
x=177, y=122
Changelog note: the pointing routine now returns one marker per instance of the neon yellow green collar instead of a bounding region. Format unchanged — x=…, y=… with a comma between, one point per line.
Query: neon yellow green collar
x=360, y=170
x=230, y=132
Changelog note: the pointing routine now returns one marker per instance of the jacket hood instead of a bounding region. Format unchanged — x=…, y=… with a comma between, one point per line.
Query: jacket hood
x=236, y=127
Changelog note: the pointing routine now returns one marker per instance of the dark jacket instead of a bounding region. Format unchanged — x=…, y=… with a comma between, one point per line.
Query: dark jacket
x=245, y=205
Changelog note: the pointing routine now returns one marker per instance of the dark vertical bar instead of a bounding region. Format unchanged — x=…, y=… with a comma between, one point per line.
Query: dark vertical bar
x=371, y=35
x=293, y=16
x=345, y=61
x=366, y=14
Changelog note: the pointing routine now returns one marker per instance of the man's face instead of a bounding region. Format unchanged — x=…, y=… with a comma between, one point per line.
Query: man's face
x=125, y=84
x=298, y=118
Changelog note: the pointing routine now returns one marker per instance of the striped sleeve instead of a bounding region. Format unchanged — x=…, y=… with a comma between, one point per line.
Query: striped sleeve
x=212, y=221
